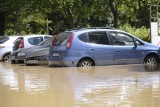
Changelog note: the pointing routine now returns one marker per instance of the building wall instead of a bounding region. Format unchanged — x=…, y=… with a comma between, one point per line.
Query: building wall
x=155, y=38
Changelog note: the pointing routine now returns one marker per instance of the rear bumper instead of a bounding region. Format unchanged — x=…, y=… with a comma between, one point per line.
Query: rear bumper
x=63, y=62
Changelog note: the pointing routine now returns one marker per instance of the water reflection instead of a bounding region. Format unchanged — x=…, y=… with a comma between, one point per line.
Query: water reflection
x=106, y=86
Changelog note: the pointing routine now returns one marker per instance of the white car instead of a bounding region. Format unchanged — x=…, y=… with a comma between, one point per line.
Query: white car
x=27, y=41
x=6, y=45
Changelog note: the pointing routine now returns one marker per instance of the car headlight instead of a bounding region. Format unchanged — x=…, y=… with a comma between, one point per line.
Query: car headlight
x=21, y=54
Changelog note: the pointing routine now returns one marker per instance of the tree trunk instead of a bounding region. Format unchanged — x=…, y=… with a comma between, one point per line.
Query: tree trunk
x=2, y=23
x=114, y=12
x=2, y=20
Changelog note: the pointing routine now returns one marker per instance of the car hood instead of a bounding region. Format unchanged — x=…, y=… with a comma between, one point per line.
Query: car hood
x=39, y=52
x=32, y=49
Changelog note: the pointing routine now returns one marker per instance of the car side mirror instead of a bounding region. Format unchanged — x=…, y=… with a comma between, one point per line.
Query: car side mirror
x=135, y=42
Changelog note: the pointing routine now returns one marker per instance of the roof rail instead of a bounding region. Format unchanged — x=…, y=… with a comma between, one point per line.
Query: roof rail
x=73, y=29
x=76, y=29
x=101, y=27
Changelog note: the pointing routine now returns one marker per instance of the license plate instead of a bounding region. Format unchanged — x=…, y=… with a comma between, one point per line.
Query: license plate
x=32, y=62
x=55, y=54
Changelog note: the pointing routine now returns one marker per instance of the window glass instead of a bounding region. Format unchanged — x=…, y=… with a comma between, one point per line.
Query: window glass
x=46, y=37
x=35, y=40
x=83, y=37
x=98, y=38
x=3, y=39
x=62, y=38
x=122, y=39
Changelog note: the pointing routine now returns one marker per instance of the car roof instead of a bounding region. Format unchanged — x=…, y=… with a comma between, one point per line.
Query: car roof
x=84, y=30
x=11, y=36
x=34, y=35
x=89, y=28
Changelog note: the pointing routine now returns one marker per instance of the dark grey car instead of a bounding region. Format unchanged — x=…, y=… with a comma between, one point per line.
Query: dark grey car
x=33, y=55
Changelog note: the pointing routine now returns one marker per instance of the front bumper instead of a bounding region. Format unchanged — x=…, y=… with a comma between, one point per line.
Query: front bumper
x=15, y=58
x=36, y=60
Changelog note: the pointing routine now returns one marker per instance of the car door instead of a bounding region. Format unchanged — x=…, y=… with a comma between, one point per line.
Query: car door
x=99, y=48
x=125, y=49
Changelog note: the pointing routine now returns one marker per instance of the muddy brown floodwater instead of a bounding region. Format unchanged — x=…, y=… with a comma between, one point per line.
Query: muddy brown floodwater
x=103, y=86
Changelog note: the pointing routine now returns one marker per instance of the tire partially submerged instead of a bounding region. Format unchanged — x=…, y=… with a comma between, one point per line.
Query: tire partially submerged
x=151, y=63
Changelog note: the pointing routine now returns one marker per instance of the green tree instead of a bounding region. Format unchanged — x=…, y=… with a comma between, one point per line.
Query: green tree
x=25, y=16
x=34, y=16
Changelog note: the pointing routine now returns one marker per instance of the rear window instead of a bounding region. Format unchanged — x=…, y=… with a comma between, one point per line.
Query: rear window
x=35, y=40
x=17, y=43
x=18, y=40
x=62, y=38
x=3, y=39
x=83, y=37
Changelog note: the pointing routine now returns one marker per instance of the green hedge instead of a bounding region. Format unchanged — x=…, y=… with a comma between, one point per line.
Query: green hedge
x=142, y=33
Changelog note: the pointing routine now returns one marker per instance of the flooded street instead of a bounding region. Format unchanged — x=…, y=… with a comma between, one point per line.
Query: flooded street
x=103, y=86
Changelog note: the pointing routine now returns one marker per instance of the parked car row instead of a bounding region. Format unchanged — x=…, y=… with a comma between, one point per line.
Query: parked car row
x=8, y=44
x=32, y=55
x=86, y=47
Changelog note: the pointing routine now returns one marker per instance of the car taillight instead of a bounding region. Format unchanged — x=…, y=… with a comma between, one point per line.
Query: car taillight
x=52, y=43
x=21, y=45
x=69, y=42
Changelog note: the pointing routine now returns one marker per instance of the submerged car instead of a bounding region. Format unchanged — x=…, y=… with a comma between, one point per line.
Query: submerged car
x=34, y=55
x=24, y=42
x=6, y=44
x=100, y=46
x=27, y=41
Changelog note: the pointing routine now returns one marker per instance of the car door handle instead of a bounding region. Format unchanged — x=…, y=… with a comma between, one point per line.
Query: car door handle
x=92, y=49
x=118, y=51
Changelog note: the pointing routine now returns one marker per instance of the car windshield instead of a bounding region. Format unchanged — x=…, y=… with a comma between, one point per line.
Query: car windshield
x=3, y=39
x=46, y=42
x=61, y=39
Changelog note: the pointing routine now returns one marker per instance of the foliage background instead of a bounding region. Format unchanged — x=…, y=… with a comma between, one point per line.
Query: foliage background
x=53, y=16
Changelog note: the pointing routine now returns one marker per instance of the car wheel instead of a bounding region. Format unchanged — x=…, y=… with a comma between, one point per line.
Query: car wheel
x=85, y=63
x=151, y=63
x=6, y=57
